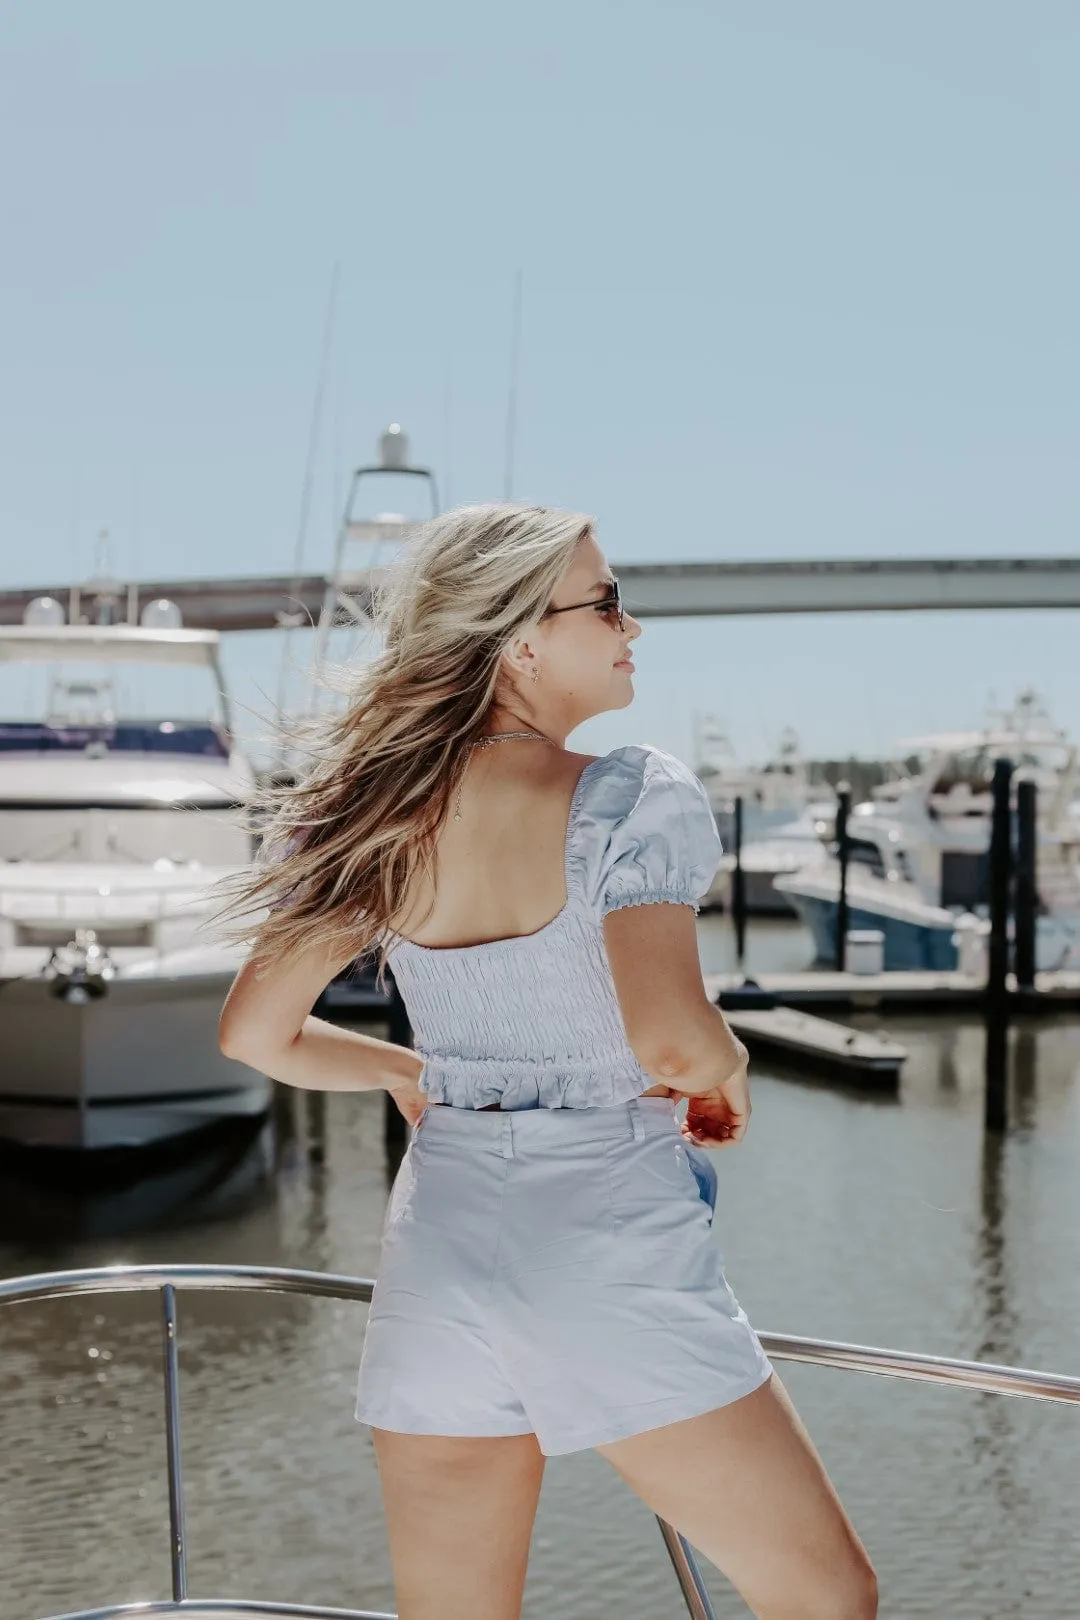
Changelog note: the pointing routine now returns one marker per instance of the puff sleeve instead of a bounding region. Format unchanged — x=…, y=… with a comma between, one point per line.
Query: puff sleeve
x=652, y=836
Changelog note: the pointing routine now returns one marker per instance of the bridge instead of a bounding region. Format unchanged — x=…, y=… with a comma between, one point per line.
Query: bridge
x=655, y=590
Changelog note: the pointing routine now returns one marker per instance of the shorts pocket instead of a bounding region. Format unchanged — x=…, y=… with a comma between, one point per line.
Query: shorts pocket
x=653, y=1184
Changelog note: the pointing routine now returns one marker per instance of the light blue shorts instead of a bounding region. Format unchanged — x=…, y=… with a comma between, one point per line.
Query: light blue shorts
x=551, y=1271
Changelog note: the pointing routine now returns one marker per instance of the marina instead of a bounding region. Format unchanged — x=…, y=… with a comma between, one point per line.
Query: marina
x=730, y=350
x=194, y=1157
x=851, y=1215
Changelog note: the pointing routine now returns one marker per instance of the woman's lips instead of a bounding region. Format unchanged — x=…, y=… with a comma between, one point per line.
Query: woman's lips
x=625, y=663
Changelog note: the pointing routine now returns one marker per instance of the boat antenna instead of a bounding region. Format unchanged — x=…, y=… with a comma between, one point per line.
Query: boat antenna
x=512, y=391
x=448, y=414
x=313, y=432
x=293, y=618
x=133, y=580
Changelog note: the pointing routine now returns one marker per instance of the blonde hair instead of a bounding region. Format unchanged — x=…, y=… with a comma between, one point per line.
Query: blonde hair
x=341, y=845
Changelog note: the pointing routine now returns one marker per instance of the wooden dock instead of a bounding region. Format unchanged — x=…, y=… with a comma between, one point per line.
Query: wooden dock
x=818, y=1044
x=923, y=990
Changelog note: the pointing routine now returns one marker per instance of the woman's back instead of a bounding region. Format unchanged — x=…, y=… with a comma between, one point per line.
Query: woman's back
x=530, y=1018
x=500, y=869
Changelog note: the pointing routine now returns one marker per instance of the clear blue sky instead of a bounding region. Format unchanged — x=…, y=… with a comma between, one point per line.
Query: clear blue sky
x=798, y=281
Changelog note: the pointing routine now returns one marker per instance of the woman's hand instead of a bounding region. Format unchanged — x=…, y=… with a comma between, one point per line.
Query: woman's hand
x=411, y=1101
x=718, y=1118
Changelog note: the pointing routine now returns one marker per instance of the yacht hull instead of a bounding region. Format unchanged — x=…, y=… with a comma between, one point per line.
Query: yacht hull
x=135, y=1068
x=916, y=938
x=762, y=898
x=908, y=946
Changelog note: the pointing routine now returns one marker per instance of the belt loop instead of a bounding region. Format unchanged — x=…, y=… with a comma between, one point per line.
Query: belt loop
x=636, y=1121
x=507, y=1136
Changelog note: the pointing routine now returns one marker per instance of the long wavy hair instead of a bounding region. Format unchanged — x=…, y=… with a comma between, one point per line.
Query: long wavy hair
x=342, y=843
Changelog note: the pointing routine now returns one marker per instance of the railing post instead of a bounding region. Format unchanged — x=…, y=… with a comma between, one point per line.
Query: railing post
x=698, y=1603
x=177, y=1539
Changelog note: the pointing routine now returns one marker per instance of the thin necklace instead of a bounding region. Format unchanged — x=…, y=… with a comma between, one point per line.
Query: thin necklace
x=501, y=736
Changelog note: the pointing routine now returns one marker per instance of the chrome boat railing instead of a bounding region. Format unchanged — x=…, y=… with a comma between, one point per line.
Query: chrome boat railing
x=977, y=1375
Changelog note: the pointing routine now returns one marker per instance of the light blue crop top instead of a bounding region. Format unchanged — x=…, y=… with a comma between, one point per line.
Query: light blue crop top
x=533, y=1021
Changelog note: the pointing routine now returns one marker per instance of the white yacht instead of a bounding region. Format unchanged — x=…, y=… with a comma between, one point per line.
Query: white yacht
x=773, y=794
x=919, y=845
x=782, y=823
x=122, y=799
x=786, y=849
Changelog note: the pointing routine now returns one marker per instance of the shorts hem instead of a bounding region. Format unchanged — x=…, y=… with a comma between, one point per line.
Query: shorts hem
x=675, y=1412
x=476, y=1431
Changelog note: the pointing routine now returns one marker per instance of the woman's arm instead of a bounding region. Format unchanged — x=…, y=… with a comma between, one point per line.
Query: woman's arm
x=266, y=1023
x=673, y=1028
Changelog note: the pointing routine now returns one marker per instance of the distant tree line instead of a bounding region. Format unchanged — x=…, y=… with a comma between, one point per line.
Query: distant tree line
x=860, y=774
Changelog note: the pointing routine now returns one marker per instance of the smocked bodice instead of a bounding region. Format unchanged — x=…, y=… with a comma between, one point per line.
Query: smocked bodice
x=533, y=1021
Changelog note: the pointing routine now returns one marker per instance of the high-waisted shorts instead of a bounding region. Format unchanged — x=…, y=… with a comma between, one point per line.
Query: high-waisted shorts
x=551, y=1271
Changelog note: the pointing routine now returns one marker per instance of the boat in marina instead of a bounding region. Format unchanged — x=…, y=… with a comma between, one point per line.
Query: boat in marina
x=918, y=848
x=787, y=849
x=122, y=800
x=784, y=818
x=773, y=794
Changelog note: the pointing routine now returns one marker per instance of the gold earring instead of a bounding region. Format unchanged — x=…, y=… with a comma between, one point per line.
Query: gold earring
x=535, y=672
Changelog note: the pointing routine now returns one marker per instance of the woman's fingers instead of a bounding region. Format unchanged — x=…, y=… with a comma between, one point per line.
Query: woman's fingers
x=717, y=1118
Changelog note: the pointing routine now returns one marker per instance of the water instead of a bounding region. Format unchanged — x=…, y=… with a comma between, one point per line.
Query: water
x=842, y=1215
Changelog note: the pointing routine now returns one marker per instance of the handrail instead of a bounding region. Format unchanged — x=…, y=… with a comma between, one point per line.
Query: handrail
x=985, y=1376
x=224, y=1609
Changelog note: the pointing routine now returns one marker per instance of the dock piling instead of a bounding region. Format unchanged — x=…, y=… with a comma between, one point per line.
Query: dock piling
x=843, y=851
x=1026, y=889
x=997, y=989
x=738, y=885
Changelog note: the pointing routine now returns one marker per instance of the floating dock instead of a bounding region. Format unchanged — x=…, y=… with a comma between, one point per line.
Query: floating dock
x=816, y=1043
x=898, y=990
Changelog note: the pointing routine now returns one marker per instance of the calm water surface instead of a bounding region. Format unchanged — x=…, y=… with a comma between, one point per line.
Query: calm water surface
x=883, y=1221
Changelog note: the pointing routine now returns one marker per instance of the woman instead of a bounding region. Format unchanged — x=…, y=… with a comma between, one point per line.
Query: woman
x=548, y=1280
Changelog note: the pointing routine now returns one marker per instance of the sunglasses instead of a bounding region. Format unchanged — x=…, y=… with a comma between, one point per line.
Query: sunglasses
x=610, y=605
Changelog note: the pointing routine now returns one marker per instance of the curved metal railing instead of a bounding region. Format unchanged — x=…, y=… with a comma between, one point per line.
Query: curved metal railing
x=978, y=1375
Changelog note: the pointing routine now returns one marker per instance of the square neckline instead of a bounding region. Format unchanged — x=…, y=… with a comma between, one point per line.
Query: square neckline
x=514, y=939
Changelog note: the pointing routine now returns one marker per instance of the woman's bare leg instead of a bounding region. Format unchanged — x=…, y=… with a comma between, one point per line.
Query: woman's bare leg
x=745, y=1486
x=459, y=1515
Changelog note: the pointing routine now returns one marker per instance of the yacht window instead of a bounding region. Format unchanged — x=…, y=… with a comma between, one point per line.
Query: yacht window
x=863, y=853
x=128, y=737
